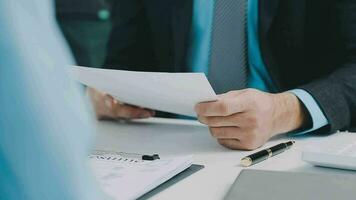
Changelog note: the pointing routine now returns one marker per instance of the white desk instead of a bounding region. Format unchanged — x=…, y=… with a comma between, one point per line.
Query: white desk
x=169, y=137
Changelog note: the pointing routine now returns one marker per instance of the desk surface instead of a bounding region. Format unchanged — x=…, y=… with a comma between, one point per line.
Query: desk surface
x=170, y=137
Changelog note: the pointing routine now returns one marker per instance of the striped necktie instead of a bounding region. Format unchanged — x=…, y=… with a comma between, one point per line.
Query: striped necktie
x=228, y=53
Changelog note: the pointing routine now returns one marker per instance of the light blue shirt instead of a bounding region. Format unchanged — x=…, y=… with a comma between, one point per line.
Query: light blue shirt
x=45, y=127
x=259, y=77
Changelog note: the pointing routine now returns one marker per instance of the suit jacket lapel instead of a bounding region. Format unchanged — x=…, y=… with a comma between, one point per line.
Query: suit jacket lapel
x=267, y=12
x=181, y=26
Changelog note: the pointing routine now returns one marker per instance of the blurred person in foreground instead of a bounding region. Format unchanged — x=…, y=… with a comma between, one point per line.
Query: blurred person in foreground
x=45, y=126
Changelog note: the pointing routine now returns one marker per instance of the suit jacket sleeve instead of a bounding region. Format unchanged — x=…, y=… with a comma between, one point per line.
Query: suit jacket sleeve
x=336, y=93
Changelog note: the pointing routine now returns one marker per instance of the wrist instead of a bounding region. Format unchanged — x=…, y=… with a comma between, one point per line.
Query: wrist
x=289, y=114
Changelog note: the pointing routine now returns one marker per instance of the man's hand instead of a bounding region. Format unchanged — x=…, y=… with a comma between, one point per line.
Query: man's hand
x=246, y=119
x=106, y=107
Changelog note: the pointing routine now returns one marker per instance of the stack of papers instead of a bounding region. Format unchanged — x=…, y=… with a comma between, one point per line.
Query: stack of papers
x=170, y=92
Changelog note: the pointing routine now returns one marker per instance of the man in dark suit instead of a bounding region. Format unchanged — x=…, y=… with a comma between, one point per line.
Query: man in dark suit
x=300, y=58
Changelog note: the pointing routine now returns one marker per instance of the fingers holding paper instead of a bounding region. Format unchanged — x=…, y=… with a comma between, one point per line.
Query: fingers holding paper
x=246, y=119
x=106, y=107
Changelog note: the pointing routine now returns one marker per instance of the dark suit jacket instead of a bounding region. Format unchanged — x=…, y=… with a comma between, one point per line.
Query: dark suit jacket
x=308, y=44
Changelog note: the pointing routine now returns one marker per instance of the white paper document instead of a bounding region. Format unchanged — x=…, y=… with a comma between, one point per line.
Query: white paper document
x=170, y=92
x=122, y=177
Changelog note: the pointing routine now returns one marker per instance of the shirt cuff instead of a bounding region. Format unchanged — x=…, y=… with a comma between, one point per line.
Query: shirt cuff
x=316, y=114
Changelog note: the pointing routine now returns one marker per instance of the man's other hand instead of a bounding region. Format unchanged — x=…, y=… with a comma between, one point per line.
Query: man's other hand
x=106, y=107
x=246, y=119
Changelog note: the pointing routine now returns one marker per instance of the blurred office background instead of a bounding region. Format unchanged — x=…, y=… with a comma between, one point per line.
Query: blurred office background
x=86, y=26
